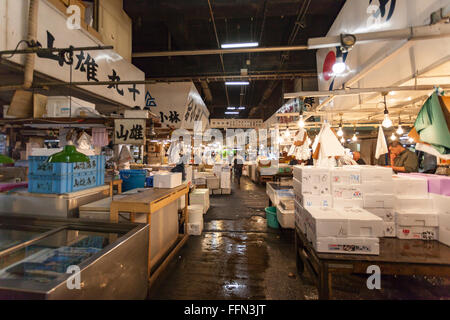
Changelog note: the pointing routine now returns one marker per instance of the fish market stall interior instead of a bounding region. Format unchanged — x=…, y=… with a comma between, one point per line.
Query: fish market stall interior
x=253, y=150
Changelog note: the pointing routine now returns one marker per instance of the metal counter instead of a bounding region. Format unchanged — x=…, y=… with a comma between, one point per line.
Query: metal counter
x=53, y=205
x=115, y=268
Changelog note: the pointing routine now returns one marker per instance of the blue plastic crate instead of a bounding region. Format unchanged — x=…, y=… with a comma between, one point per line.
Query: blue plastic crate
x=38, y=165
x=59, y=184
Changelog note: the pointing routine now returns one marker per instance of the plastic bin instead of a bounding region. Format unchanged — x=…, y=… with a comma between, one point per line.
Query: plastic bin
x=149, y=182
x=132, y=179
x=271, y=217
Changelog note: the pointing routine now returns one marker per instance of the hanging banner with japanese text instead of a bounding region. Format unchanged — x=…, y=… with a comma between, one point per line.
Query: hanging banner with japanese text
x=129, y=131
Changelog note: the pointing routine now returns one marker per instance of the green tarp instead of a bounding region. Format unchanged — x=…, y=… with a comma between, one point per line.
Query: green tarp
x=432, y=126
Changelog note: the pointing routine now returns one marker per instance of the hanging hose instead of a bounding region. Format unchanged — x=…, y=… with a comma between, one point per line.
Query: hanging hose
x=32, y=38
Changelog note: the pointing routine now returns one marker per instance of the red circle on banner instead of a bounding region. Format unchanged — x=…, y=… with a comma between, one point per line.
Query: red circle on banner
x=328, y=64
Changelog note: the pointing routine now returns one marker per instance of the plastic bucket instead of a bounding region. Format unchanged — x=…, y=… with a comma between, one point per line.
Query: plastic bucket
x=132, y=179
x=271, y=217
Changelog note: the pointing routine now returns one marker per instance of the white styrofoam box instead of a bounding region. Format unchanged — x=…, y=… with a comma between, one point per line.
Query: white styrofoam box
x=325, y=222
x=387, y=214
x=195, y=213
x=308, y=201
x=226, y=191
x=167, y=180
x=297, y=186
x=217, y=191
x=359, y=245
x=347, y=192
x=444, y=235
x=225, y=180
x=389, y=229
x=59, y=107
x=299, y=216
x=200, y=197
x=195, y=229
x=313, y=180
x=379, y=200
x=348, y=175
x=213, y=183
x=418, y=233
x=416, y=219
x=372, y=173
x=362, y=223
x=182, y=202
x=410, y=186
x=374, y=187
x=136, y=114
x=343, y=203
x=285, y=218
x=444, y=226
x=441, y=203
x=200, y=181
x=413, y=204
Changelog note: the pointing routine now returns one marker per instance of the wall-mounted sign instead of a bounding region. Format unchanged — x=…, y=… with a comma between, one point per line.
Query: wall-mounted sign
x=129, y=131
x=236, y=123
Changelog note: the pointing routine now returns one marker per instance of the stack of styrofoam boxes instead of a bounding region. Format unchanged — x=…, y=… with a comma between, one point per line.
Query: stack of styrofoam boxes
x=195, y=220
x=442, y=207
x=346, y=187
x=225, y=181
x=414, y=210
x=312, y=188
x=200, y=197
x=343, y=230
x=378, y=196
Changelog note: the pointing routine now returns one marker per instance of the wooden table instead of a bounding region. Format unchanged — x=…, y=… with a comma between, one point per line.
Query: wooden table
x=397, y=257
x=149, y=202
x=117, y=183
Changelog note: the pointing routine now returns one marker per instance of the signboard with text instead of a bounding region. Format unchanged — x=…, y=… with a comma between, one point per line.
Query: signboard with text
x=129, y=131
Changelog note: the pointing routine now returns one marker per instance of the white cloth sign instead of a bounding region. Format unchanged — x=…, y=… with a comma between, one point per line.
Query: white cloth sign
x=381, y=144
x=129, y=131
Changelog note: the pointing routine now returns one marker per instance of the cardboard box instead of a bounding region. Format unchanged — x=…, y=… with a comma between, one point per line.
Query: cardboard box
x=167, y=180
x=308, y=201
x=213, y=183
x=366, y=246
x=417, y=233
x=347, y=192
x=346, y=175
x=379, y=200
x=372, y=173
x=419, y=219
x=389, y=229
x=387, y=214
x=413, y=204
x=377, y=187
x=410, y=186
x=343, y=203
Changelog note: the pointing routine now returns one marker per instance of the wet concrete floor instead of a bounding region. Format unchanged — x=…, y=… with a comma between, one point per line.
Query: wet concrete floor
x=239, y=257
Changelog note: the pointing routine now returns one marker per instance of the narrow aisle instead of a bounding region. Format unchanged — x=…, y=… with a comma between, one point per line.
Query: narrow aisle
x=237, y=256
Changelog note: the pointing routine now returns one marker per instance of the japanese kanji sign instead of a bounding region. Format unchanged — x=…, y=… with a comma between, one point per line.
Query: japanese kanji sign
x=129, y=131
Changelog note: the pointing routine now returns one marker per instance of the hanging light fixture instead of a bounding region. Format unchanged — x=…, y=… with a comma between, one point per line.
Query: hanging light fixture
x=340, y=132
x=387, y=122
x=68, y=155
x=393, y=137
x=287, y=134
x=343, y=140
x=400, y=129
x=411, y=140
x=354, y=138
x=339, y=66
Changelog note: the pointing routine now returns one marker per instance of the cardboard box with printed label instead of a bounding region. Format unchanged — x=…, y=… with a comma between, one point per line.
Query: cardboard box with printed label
x=366, y=246
x=389, y=229
x=379, y=201
x=417, y=233
x=372, y=173
x=346, y=175
x=387, y=214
